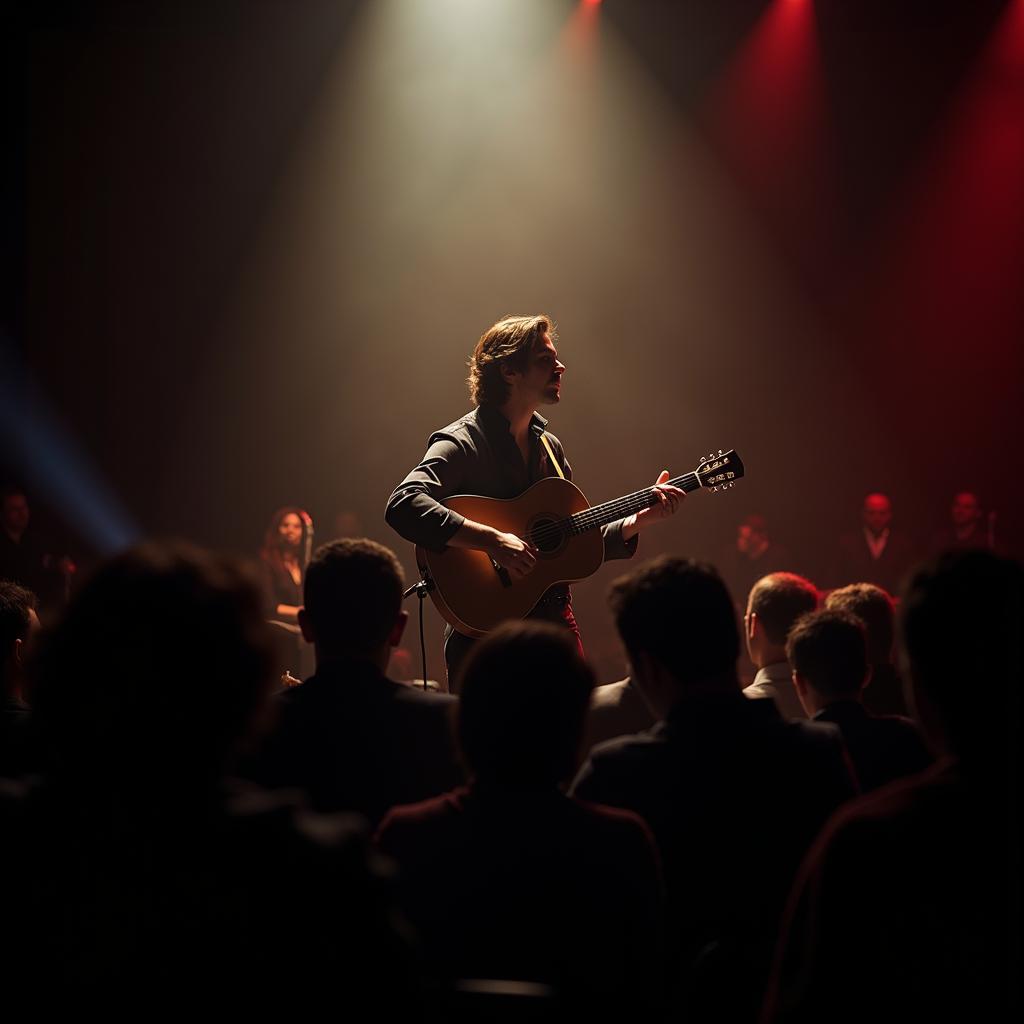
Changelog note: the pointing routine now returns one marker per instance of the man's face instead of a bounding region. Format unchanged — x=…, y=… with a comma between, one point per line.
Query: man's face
x=15, y=513
x=541, y=380
x=966, y=509
x=877, y=512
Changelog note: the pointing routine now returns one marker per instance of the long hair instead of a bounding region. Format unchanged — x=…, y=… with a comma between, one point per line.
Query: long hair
x=272, y=551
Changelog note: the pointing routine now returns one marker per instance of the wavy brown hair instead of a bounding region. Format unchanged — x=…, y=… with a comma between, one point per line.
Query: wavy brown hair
x=508, y=343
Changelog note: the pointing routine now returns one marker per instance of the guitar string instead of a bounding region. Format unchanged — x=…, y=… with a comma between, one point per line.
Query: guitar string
x=589, y=518
x=636, y=500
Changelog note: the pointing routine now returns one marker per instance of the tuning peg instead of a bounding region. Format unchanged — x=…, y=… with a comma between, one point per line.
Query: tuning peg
x=703, y=459
x=720, y=452
x=711, y=455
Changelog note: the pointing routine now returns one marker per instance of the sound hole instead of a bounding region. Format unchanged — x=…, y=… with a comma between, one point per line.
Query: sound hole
x=548, y=537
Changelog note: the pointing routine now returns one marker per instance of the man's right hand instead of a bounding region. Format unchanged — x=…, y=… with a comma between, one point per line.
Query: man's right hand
x=513, y=553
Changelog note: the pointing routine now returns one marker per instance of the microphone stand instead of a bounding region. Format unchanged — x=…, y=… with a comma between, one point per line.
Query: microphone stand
x=421, y=589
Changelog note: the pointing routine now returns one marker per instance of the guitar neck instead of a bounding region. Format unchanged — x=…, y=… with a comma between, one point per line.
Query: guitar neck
x=601, y=515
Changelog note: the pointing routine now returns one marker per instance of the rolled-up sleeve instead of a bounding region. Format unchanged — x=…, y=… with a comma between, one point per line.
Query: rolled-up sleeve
x=414, y=510
x=615, y=546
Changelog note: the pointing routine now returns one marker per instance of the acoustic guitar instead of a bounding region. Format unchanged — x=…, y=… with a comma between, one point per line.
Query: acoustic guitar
x=474, y=593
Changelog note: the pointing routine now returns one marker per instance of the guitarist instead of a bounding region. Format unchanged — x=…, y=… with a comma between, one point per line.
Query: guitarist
x=497, y=451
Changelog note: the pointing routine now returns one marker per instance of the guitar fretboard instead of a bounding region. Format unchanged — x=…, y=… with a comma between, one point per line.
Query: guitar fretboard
x=600, y=515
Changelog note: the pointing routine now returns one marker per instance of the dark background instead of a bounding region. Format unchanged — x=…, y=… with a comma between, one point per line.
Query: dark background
x=249, y=245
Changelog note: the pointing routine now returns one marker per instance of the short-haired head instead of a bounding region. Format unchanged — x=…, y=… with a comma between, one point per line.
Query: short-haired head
x=162, y=657
x=877, y=511
x=828, y=650
x=966, y=508
x=875, y=609
x=523, y=700
x=352, y=596
x=679, y=612
x=508, y=343
x=960, y=630
x=16, y=613
x=778, y=600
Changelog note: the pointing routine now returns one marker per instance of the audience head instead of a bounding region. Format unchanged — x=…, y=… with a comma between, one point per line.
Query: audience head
x=157, y=668
x=353, y=601
x=509, y=343
x=18, y=625
x=523, y=699
x=875, y=609
x=966, y=510
x=752, y=535
x=776, y=601
x=677, y=621
x=960, y=630
x=877, y=512
x=828, y=655
x=285, y=533
x=14, y=511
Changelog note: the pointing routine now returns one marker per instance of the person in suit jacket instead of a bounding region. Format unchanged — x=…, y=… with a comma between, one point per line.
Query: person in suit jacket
x=883, y=694
x=909, y=905
x=733, y=793
x=876, y=553
x=776, y=601
x=830, y=670
x=350, y=737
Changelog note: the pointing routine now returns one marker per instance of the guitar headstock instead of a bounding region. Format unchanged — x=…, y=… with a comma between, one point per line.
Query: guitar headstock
x=721, y=471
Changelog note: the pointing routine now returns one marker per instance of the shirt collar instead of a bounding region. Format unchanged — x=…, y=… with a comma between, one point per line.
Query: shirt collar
x=493, y=417
x=776, y=672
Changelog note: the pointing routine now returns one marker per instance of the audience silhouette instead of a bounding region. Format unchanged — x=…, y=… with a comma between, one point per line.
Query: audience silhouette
x=733, y=793
x=138, y=877
x=830, y=669
x=350, y=737
x=909, y=907
x=509, y=878
x=875, y=609
x=776, y=601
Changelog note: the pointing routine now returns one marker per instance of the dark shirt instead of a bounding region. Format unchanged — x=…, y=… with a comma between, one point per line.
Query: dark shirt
x=884, y=693
x=17, y=747
x=477, y=454
x=532, y=885
x=279, y=587
x=112, y=897
x=881, y=747
x=855, y=563
x=355, y=740
x=908, y=908
x=734, y=796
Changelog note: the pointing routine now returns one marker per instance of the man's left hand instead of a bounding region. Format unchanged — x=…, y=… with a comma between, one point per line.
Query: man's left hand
x=669, y=500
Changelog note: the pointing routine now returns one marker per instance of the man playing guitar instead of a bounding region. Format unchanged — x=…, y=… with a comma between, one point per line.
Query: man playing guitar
x=498, y=450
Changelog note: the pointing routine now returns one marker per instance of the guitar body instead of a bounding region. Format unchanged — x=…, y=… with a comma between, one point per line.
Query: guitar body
x=473, y=594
